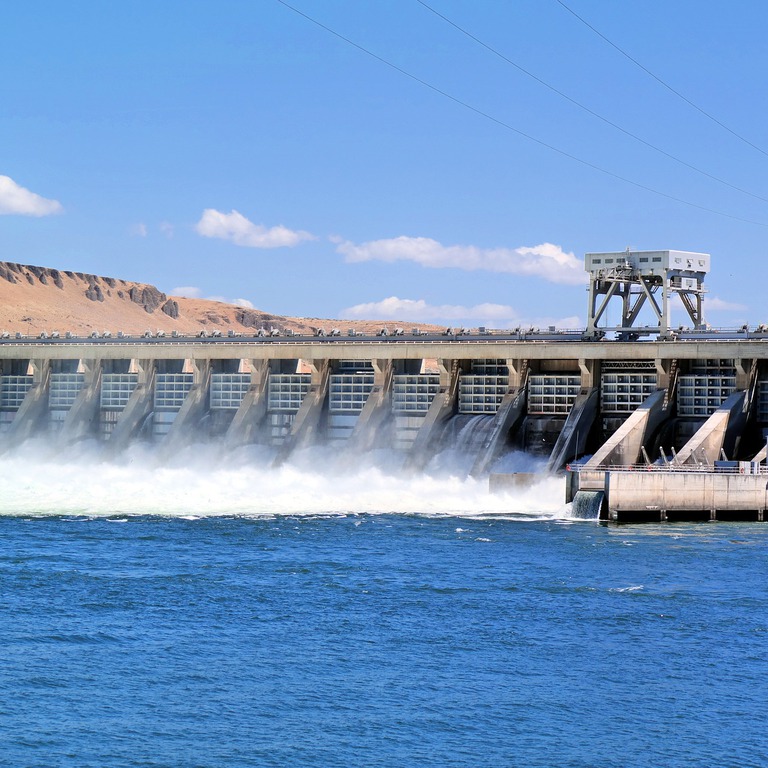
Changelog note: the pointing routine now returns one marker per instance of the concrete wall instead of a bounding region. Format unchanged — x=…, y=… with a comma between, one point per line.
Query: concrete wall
x=685, y=491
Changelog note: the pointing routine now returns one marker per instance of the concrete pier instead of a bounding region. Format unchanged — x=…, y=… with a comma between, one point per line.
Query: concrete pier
x=307, y=420
x=367, y=432
x=739, y=493
x=252, y=409
x=709, y=442
x=82, y=419
x=32, y=409
x=442, y=407
x=574, y=436
x=132, y=413
x=184, y=427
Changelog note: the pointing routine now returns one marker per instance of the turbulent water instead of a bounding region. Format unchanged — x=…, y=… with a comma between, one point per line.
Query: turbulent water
x=215, y=612
x=207, y=482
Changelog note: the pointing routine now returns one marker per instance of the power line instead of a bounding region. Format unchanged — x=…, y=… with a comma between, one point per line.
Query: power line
x=586, y=109
x=509, y=127
x=662, y=82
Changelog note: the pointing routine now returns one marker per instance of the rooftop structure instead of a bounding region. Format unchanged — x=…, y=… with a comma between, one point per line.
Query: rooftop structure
x=640, y=278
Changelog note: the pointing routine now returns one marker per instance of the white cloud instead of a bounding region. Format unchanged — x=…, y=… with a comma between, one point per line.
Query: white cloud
x=187, y=292
x=237, y=229
x=139, y=230
x=548, y=261
x=15, y=199
x=719, y=305
x=418, y=310
x=167, y=229
x=192, y=292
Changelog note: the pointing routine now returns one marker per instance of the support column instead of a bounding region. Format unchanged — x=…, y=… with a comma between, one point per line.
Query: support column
x=253, y=408
x=508, y=418
x=590, y=373
x=82, y=421
x=518, y=373
x=664, y=319
x=194, y=408
x=443, y=406
x=743, y=370
x=662, y=373
x=34, y=408
x=306, y=423
x=667, y=372
x=367, y=431
x=139, y=406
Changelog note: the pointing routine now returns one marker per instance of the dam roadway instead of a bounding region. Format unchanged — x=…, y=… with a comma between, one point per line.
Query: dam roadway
x=424, y=346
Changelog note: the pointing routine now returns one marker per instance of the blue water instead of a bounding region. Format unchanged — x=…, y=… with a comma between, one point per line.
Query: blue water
x=380, y=640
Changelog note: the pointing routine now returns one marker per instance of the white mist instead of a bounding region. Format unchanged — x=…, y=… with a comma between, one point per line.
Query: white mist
x=38, y=479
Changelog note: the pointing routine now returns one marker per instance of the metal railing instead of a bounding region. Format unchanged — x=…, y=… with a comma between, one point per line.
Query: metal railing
x=742, y=468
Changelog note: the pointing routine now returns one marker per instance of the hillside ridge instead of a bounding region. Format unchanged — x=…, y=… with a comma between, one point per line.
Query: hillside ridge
x=35, y=300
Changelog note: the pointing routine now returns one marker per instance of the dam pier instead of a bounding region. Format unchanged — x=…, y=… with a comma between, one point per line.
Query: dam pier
x=649, y=422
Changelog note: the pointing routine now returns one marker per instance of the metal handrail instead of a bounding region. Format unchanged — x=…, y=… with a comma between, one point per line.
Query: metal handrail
x=760, y=469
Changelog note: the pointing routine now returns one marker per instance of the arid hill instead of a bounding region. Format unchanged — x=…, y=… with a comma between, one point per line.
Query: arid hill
x=34, y=300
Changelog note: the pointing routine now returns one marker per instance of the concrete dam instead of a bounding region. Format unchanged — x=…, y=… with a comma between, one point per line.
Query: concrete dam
x=651, y=422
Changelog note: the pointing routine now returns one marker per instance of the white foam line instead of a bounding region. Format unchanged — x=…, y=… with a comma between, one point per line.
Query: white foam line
x=203, y=482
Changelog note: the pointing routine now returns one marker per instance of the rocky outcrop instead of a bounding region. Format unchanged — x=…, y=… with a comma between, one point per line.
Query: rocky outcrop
x=148, y=296
x=250, y=318
x=171, y=308
x=97, y=288
x=94, y=292
x=43, y=274
x=11, y=271
x=7, y=274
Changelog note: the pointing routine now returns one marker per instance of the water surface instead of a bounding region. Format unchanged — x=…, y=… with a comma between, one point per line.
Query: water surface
x=379, y=639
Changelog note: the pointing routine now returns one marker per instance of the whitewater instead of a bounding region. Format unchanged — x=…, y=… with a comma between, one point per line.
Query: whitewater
x=206, y=480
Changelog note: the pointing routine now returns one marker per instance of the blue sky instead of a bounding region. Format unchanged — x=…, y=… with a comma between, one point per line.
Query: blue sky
x=237, y=150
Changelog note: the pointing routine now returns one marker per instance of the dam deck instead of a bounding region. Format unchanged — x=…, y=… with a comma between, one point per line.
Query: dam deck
x=744, y=344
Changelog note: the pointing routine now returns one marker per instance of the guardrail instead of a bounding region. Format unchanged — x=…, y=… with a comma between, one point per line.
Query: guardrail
x=486, y=337
x=187, y=340
x=743, y=468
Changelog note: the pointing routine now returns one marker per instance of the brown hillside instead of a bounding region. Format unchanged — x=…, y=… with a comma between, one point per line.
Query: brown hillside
x=39, y=299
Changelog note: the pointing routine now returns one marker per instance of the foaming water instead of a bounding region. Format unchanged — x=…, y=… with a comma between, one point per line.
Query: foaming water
x=205, y=481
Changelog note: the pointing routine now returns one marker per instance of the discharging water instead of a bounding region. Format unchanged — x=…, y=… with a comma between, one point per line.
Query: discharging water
x=218, y=613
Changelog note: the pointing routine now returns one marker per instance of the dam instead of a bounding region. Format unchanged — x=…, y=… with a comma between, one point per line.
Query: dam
x=648, y=421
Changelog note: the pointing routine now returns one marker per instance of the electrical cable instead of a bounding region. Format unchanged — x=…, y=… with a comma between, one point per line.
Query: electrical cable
x=586, y=109
x=662, y=82
x=511, y=128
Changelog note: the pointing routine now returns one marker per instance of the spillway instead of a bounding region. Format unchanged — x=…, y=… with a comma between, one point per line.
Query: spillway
x=657, y=409
x=412, y=394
